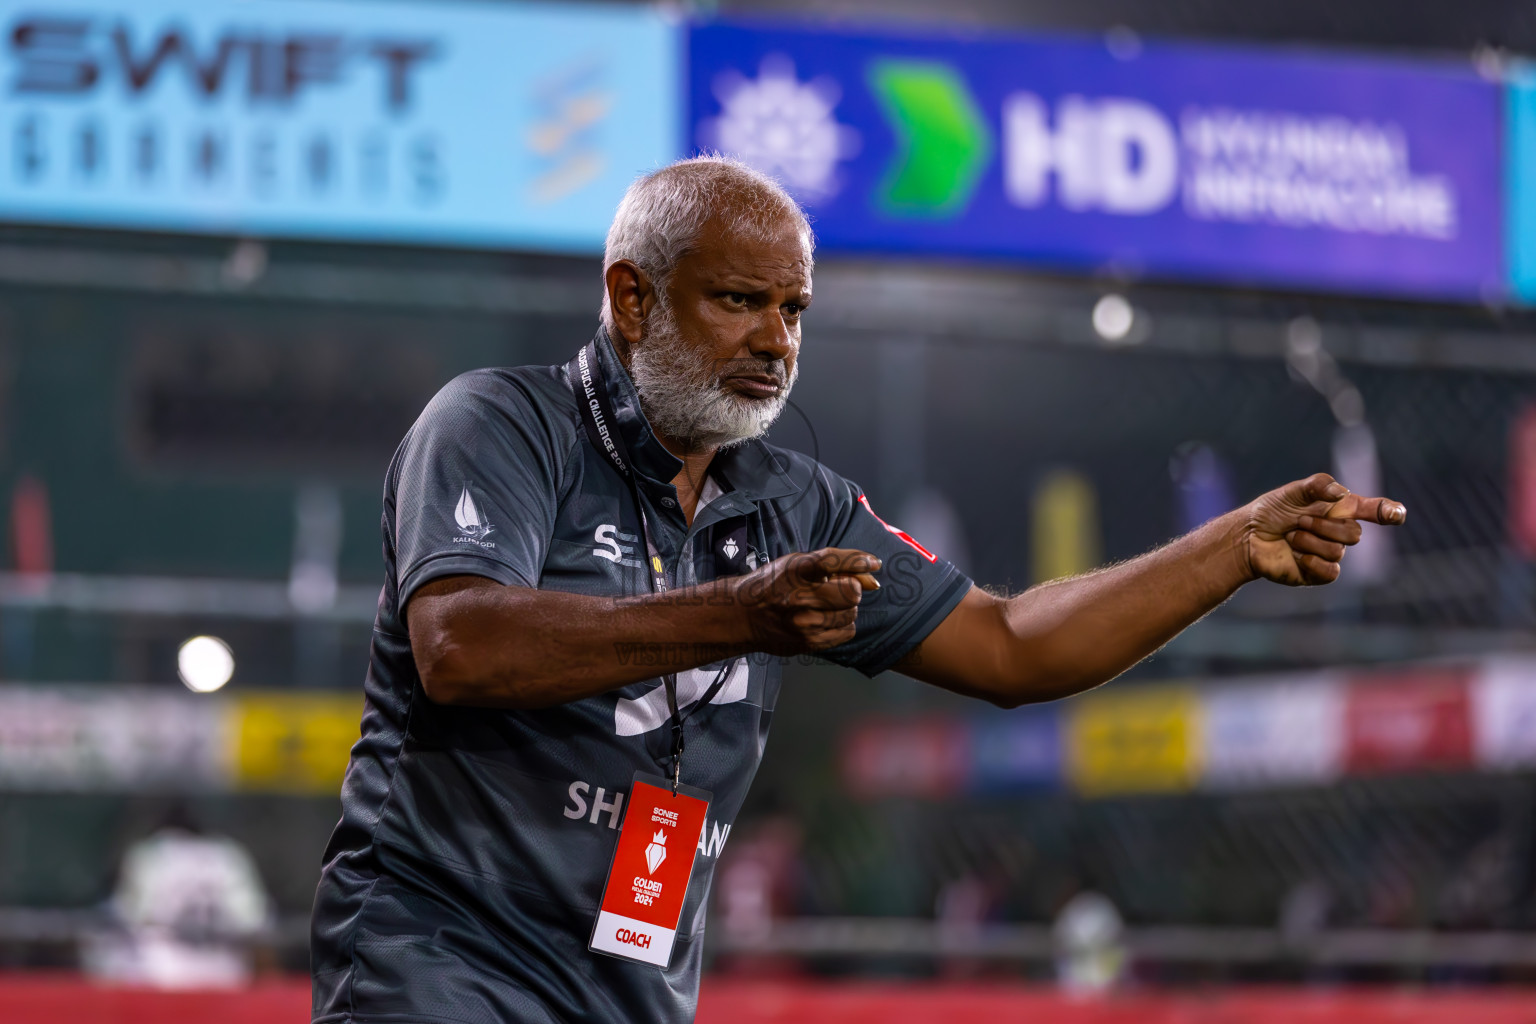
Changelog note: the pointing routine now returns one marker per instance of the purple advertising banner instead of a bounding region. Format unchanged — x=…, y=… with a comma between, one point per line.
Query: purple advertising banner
x=1289, y=170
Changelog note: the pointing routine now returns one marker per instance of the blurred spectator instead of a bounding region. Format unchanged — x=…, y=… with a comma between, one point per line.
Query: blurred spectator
x=1064, y=526
x=933, y=519
x=1204, y=484
x=962, y=909
x=1090, y=954
x=190, y=906
x=31, y=528
x=759, y=884
x=1304, y=912
x=1357, y=466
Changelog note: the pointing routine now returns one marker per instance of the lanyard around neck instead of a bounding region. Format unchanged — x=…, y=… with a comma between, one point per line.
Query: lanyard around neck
x=591, y=394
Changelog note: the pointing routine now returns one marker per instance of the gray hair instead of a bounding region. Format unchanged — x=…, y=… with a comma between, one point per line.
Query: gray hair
x=660, y=217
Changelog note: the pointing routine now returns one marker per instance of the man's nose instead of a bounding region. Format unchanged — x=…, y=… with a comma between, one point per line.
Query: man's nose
x=773, y=338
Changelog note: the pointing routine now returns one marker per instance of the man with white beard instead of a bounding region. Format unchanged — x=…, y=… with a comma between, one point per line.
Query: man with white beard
x=592, y=570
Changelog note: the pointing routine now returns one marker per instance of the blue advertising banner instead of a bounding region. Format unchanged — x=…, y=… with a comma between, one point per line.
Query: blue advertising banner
x=1019, y=750
x=442, y=123
x=1177, y=161
x=1520, y=161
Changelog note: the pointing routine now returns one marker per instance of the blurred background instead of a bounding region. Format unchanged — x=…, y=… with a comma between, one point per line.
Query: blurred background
x=1089, y=274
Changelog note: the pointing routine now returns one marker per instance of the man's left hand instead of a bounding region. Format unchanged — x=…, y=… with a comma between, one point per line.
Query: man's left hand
x=1297, y=534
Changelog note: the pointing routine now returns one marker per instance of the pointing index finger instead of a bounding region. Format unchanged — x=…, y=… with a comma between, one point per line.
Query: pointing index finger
x=846, y=562
x=1369, y=510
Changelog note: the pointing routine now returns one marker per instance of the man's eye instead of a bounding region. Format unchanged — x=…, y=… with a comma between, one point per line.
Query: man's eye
x=736, y=298
x=792, y=310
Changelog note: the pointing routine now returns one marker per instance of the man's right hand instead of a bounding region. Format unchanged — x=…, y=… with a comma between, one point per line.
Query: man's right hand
x=808, y=601
x=481, y=644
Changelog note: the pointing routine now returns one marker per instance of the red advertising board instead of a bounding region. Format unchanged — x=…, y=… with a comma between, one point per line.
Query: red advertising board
x=26, y=999
x=1408, y=722
x=914, y=758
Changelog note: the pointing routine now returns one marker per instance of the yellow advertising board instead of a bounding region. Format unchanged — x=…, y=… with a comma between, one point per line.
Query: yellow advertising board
x=1133, y=740
x=293, y=742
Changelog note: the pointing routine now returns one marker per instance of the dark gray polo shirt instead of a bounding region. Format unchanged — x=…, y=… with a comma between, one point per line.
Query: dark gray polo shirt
x=464, y=877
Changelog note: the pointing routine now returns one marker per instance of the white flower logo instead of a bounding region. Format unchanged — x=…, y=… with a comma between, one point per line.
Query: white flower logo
x=782, y=126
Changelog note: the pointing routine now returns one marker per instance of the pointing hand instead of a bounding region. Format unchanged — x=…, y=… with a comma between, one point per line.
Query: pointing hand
x=807, y=602
x=1297, y=534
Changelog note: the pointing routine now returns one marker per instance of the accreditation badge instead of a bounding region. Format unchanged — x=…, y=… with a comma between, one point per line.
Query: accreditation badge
x=643, y=898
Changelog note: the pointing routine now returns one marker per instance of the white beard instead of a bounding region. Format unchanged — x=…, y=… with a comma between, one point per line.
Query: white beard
x=681, y=393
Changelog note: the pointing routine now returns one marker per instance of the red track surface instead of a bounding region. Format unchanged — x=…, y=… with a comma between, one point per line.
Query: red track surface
x=35, y=999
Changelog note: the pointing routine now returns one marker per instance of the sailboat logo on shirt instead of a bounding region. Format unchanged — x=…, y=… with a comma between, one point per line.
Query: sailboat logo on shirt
x=472, y=528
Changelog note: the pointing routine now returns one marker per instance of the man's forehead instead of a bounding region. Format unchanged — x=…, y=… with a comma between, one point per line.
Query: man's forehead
x=781, y=251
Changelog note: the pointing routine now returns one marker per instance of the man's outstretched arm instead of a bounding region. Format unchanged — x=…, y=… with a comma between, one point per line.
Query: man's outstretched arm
x=1060, y=638
x=478, y=643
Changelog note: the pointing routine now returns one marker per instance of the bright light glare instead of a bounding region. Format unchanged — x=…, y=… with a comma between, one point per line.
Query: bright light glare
x=1113, y=317
x=205, y=663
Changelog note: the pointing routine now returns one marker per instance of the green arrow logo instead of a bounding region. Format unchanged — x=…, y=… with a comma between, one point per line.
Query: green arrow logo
x=942, y=142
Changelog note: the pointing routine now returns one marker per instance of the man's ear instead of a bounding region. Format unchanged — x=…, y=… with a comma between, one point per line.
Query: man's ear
x=630, y=300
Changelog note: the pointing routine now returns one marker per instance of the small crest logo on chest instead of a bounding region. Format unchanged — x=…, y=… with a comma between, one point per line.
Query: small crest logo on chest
x=732, y=552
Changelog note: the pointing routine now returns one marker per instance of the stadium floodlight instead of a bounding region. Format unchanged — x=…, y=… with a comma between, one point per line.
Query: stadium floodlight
x=1113, y=318
x=205, y=663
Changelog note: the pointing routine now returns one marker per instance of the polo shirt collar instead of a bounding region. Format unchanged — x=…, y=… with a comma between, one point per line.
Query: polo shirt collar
x=755, y=472
x=749, y=472
x=647, y=455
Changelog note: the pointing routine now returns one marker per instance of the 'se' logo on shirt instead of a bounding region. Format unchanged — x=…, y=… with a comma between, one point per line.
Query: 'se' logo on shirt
x=608, y=543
